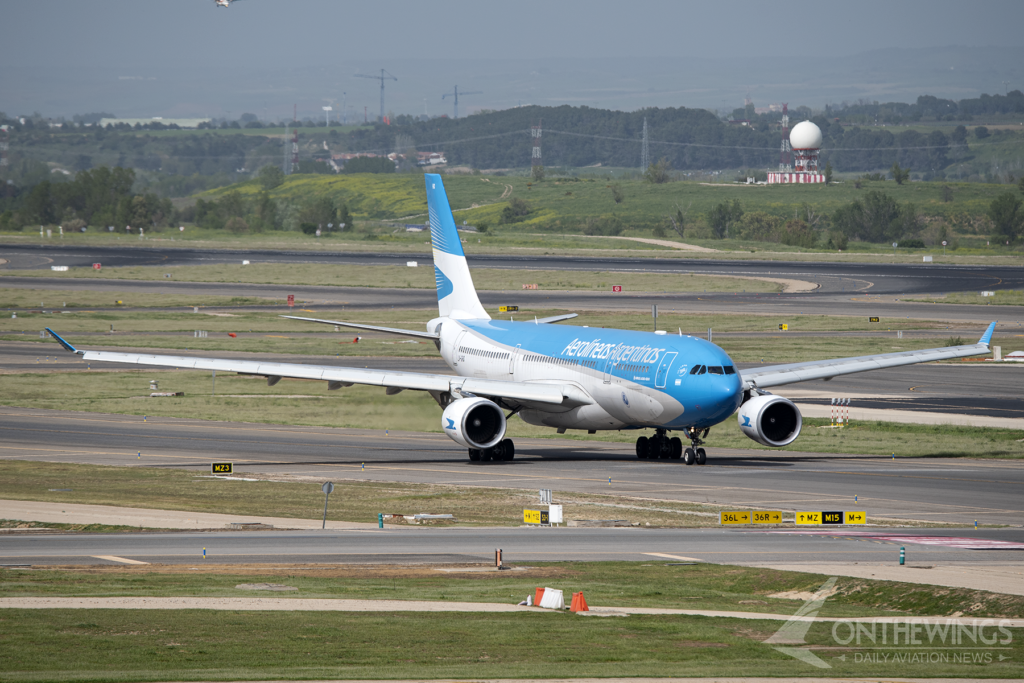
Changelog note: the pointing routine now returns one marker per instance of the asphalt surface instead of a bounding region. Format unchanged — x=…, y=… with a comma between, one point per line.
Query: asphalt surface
x=833, y=277
x=940, y=490
x=669, y=304
x=520, y=545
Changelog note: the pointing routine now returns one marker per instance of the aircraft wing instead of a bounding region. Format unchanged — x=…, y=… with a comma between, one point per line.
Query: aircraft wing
x=777, y=375
x=520, y=392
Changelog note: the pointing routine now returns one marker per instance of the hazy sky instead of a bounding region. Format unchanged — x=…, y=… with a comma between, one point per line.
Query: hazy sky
x=141, y=38
x=265, y=32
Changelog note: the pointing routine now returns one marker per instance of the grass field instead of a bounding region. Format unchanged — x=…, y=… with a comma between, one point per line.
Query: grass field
x=118, y=645
x=563, y=208
x=161, y=645
x=606, y=584
x=573, y=201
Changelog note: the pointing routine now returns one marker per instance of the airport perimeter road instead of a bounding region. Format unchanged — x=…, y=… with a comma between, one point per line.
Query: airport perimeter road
x=878, y=278
x=944, y=490
x=519, y=546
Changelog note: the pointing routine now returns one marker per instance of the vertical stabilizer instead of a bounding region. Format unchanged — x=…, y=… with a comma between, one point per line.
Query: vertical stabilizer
x=456, y=295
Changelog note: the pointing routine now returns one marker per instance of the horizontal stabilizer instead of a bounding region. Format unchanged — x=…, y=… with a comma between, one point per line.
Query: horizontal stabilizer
x=557, y=318
x=361, y=326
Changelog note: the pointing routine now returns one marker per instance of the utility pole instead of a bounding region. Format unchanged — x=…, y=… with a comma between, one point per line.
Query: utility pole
x=384, y=76
x=645, y=151
x=456, y=93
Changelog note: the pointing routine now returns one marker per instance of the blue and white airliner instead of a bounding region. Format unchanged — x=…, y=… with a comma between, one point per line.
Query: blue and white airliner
x=567, y=377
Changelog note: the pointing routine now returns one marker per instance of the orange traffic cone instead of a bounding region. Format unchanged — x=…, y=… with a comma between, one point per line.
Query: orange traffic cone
x=538, y=595
x=579, y=604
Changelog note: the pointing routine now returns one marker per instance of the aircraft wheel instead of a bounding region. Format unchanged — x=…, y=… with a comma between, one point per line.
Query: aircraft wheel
x=664, y=448
x=689, y=456
x=702, y=456
x=485, y=454
x=641, y=447
x=677, y=448
x=509, y=449
x=474, y=454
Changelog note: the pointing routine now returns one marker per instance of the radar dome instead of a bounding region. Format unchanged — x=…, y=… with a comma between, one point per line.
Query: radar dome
x=805, y=135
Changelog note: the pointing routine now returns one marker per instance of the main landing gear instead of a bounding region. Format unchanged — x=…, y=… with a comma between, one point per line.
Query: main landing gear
x=505, y=450
x=660, y=446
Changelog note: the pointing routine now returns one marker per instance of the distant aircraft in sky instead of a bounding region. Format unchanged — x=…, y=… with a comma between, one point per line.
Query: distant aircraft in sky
x=566, y=377
x=224, y=3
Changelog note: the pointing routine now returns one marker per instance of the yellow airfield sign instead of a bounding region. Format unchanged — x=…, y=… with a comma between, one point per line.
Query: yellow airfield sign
x=767, y=517
x=735, y=517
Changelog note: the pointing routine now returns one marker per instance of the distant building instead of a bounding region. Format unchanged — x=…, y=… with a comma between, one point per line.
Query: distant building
x=180, y=123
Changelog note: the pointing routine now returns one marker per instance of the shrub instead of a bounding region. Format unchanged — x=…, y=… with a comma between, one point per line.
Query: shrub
x=237, y=225
x=516, y=211
x=912, y=244
x=798, y=234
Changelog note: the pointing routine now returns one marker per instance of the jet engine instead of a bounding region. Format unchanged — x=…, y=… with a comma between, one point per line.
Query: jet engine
x=770, y=420
x=474, y=423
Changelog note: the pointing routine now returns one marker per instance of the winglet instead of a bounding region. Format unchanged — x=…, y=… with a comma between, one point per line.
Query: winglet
x=65, y=344
x=987, y=337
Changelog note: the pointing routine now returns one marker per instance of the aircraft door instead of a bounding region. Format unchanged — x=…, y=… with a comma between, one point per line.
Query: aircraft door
x=666, y=364
x=609, y=365
x=512, y=358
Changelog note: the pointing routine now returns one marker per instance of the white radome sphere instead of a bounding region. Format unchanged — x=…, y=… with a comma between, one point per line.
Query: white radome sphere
x=805, y=135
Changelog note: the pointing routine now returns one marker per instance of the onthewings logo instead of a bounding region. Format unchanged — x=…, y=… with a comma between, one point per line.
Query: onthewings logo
x=746, y=421
x=451, y=423
x=794, y=630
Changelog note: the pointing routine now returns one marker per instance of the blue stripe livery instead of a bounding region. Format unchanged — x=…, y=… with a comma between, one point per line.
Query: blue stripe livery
x=444, y=236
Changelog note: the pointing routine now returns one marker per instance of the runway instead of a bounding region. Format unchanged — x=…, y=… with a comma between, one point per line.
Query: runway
x=519, y=546
x=878, y=278
x=669, y=304
x=956, y=491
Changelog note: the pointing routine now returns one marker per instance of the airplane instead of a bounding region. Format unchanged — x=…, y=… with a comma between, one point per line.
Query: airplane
x=224, y=3
x=563, y=376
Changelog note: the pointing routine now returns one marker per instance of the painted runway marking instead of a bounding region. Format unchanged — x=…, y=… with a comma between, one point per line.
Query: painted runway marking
x=674, y=557
x=115, y=558
x=961, y=542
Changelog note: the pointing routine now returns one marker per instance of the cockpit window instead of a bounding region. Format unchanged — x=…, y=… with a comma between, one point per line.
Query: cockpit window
x=697, y=370
x=730, y=370
x=716, y=370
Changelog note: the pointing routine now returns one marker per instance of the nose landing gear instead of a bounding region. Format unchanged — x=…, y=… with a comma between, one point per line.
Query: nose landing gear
x=695, y=454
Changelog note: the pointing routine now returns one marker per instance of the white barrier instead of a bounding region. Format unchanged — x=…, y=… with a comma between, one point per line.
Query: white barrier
x=59, y=269
x=552, y=599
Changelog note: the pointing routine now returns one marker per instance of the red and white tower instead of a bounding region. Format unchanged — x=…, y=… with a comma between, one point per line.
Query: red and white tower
x=535, y=158
x=785, y=151
x=805, y=140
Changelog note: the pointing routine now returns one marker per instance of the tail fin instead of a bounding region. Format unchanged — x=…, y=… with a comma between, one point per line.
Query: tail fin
x=456, y=295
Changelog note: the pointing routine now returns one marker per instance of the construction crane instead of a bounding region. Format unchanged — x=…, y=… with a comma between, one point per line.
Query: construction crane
x=456, y=94
x=384, y=76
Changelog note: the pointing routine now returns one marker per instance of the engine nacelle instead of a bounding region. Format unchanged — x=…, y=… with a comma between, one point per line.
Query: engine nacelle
x=474, y=422
x=770, y=420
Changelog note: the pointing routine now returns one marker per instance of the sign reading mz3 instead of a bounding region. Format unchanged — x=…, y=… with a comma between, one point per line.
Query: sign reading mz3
x=221, y=468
